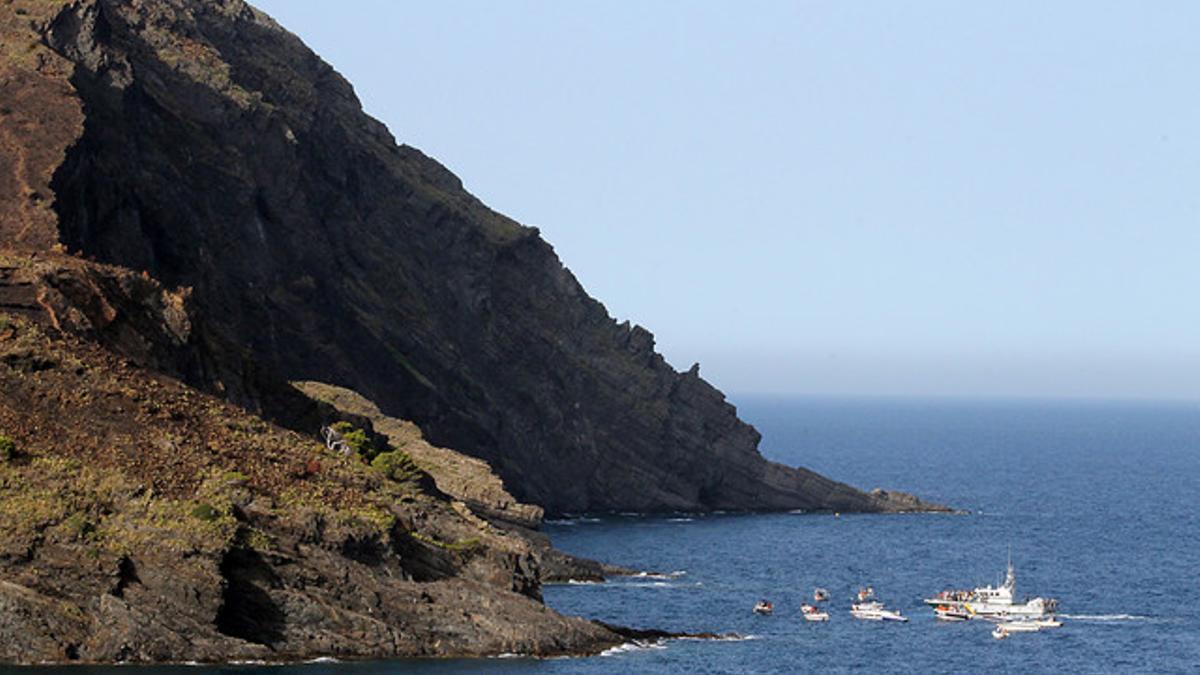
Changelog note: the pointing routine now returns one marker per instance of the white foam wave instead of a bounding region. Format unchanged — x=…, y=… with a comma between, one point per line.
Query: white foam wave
x=581, y=582
x=570, y=520
x=731, y=637
x=680, y=520
x=635, y=646
x=654, y=584
x=1106, y=617
x=323, y=659
x=659, y=575
x=508, y=655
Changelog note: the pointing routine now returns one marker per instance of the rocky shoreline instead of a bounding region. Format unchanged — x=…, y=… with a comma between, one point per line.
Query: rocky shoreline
x=141, y=521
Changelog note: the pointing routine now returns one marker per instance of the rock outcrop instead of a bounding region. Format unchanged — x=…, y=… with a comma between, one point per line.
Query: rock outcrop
x=466, y=479
x=202, y=144
x=471, y=483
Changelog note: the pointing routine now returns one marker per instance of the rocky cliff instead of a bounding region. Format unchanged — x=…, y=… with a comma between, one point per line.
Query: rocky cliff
x=141, y=520
x=202, y=144
x=144, y=521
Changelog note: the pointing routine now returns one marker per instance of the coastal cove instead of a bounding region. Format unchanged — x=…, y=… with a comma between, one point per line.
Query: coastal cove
x=1094, y=498
x=283, y=391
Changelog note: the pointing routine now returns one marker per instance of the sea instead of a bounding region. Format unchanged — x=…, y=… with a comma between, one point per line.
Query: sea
x=1095, y=501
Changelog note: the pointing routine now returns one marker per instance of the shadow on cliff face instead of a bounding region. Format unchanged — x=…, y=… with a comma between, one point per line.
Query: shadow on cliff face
x=262, y=228
x=126, y=576
x=247, y=610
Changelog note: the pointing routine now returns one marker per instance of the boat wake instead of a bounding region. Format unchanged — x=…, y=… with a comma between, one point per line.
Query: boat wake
x=1101, y=618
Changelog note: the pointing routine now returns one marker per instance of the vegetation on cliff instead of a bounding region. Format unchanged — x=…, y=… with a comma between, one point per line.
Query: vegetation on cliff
x=145, y=521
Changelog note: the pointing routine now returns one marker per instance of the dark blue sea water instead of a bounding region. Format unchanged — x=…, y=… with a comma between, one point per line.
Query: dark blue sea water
x=1098, y=502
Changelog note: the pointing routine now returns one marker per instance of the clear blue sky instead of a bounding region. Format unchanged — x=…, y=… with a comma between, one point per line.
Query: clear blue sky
x=947, y=198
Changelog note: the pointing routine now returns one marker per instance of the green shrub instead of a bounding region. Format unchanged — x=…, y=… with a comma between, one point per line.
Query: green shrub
x=8, y=449
x=79, y=525
x=396, y=465
x=205, y=512
x=357, y=439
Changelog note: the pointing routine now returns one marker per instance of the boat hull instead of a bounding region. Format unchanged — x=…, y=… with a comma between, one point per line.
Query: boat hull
x=875, y=611
x=879, y=616
x=1033, y=609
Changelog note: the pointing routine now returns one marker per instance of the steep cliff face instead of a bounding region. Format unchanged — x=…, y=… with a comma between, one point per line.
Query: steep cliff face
x=203, y=144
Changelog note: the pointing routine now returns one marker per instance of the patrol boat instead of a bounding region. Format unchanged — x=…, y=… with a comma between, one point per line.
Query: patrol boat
x=993, y=602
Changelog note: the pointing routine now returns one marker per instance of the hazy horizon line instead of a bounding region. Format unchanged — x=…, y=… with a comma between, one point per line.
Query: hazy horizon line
x=731, y=396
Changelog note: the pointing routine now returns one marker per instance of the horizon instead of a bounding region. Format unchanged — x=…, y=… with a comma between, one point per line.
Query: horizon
x=736, y=397
x=989, y=200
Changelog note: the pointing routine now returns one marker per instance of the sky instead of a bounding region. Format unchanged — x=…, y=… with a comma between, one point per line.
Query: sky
x=847, y=198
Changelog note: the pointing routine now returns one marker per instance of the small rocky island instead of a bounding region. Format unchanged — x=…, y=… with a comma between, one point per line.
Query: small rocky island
x=199, y=229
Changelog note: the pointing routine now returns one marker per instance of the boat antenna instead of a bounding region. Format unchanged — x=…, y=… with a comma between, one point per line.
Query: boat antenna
x=1010, y=578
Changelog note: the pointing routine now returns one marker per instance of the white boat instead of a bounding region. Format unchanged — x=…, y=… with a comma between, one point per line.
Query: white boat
x=812, y=613
x=764, y=607
x=994, y=601
x=1048, y=622
x=873, y=610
